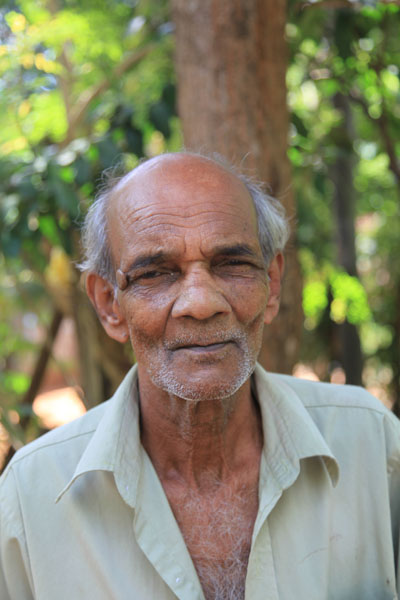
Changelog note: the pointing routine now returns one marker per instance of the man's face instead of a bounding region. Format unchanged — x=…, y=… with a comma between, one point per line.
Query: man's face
x=185, y=233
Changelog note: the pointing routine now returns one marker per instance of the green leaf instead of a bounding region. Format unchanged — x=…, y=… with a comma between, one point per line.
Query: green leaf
x=315, y=298
x=10, y=245
x=169, y=97
x=159, y=115
x=344, y=33
x=49, y=229
x=63, y=192
x=134, y=139
x=349, y=299
x=109, y=153
x=16, y=382
x=82, y=170
x=299, y=124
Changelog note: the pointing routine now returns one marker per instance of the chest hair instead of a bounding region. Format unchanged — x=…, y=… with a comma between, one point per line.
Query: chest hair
x=217, y=528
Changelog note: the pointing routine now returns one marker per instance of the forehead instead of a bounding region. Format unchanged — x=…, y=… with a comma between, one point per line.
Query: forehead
x=180, y=197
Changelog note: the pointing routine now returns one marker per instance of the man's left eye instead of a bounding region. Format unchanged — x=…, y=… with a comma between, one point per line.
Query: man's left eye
x=235, y=267
x=236, y=263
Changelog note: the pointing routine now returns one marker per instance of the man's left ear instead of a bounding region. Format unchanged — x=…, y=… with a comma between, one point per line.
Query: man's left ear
x=275, y=273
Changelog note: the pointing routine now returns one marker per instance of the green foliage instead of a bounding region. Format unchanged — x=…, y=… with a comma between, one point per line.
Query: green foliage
x=342, y=293
x=315, y=300
x=354, y=51
x=349, y=299
x=66, y=116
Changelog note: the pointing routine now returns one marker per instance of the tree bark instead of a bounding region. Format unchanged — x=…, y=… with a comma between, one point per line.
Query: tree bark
x=231, y=60
x=341, y=173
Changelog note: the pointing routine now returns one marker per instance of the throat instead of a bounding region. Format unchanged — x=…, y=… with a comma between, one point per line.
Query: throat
x=199, y=443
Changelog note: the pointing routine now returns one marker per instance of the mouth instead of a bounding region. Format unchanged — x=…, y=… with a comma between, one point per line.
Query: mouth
x=203, y=348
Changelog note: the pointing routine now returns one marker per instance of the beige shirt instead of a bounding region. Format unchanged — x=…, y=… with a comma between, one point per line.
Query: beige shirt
x=83, y=515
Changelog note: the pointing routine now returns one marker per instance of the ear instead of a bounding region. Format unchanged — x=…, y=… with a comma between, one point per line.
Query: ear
x=275, y=272
x=102, y=296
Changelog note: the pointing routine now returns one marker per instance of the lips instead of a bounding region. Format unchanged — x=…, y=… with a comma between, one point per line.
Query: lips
x=209, y=345
x=204, y=348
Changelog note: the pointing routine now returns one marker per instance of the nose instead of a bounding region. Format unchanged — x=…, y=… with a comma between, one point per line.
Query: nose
x=200, y=297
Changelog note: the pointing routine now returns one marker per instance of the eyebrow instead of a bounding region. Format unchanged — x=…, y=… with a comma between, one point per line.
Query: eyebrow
x=235, y=250
x=146, y=260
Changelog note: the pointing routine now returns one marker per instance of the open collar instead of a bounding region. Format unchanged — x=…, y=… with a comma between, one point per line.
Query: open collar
x=290, y=435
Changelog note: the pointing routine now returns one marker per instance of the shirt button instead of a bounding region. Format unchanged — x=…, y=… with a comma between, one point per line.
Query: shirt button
x=178, y=580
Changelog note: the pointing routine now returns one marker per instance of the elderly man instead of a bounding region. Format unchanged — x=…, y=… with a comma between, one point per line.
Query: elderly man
x=204, y=476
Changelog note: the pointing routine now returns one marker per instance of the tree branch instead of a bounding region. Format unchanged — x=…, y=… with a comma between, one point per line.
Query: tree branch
x=78, y=115
x=65, y=82
x=383, y=128
x=43, y=358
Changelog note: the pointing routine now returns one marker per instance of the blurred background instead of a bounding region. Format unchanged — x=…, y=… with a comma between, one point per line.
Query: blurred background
x=302, y=95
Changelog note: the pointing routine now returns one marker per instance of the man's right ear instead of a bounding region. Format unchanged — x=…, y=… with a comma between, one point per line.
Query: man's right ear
x=102, y=296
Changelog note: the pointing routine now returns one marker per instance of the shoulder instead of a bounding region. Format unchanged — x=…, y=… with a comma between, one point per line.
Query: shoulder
x=347, y=412
x=320, y=394
x=66, y=441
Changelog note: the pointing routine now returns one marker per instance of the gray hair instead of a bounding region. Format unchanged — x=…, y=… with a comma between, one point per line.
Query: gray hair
x=273, y=227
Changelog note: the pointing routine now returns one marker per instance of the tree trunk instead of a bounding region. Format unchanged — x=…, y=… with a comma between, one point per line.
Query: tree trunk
x=231, y=60
x=341, y=173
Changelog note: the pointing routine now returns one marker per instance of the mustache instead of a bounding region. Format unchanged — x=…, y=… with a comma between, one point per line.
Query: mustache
x=203, y=338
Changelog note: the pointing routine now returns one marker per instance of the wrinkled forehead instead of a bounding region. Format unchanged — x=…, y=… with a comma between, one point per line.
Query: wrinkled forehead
x=183, y=189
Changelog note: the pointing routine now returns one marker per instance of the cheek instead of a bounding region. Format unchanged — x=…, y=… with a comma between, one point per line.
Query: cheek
x=146, y=319
x=249, y=301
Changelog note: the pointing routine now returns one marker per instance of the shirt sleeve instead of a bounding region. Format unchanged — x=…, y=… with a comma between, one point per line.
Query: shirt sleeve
x=393, y=467
x=394, y=477
x=15, y=580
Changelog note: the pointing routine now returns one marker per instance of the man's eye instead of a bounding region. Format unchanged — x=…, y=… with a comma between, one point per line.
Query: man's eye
x=236, y=262
x=152, y=277
x=235, y=267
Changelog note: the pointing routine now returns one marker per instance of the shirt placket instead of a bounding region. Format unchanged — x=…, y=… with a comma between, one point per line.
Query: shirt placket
x=261, y=582
x=160, y=539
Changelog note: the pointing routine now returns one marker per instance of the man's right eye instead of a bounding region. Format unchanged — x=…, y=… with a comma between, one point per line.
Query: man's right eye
x=150, y=275
x=155, y=276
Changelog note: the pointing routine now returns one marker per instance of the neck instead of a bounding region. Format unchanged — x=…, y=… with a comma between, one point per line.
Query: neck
x=200, y=444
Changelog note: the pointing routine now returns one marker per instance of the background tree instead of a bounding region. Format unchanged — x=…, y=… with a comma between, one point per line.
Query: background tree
x=343, y=84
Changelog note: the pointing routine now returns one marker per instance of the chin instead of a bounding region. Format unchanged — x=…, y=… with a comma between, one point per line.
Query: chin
x=202, y=388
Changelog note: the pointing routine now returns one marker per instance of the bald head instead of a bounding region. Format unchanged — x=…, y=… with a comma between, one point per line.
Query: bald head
x=182, y=166
x=152, y=181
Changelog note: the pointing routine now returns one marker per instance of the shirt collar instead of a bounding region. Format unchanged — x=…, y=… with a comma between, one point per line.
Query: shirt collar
x=289, y=435
x=115, y=445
